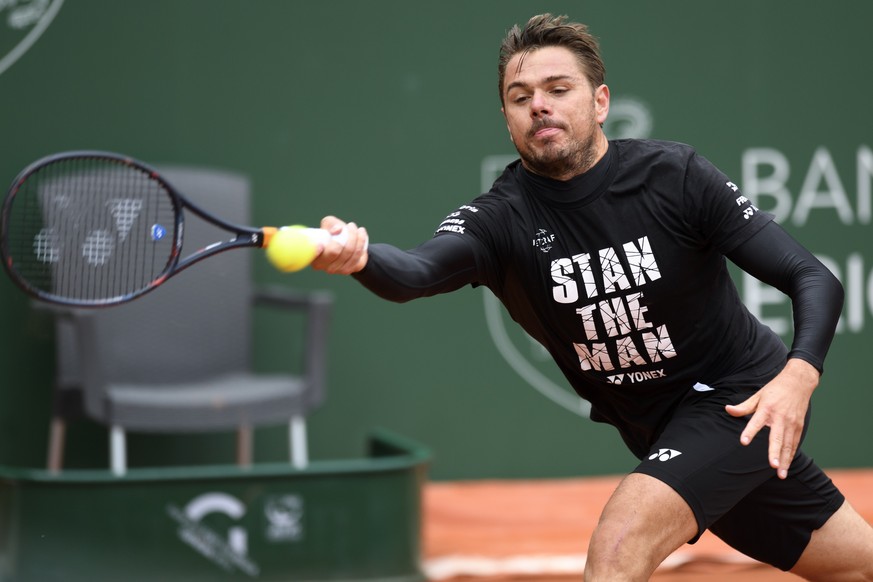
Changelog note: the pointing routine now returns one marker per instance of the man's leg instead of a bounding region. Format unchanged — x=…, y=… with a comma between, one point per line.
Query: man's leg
x=842, y=549
x=644, y=521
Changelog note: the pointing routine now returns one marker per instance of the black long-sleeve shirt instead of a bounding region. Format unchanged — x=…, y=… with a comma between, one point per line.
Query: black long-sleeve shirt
x=620, y=274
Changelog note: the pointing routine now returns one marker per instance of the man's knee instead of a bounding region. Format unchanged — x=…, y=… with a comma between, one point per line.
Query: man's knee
x=643, y=522
x=614, y=557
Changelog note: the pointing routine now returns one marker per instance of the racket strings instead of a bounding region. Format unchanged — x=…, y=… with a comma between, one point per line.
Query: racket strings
x=91, y=229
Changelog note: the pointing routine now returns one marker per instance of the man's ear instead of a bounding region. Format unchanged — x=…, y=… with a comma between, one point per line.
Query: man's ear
x=601, y=103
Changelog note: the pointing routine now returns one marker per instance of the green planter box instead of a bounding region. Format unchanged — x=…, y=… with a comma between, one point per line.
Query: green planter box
x=336, y=520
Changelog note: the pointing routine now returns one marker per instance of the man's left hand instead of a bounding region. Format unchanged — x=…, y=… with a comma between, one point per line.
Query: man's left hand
x=780, y=404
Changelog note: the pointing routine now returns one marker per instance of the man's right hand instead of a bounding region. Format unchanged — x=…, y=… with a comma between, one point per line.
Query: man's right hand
x=340, y=259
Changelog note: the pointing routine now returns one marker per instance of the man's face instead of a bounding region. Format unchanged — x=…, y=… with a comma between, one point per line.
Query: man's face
x=552, y=112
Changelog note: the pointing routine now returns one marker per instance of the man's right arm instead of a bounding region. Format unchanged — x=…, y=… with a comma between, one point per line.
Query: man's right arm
x=440, y=265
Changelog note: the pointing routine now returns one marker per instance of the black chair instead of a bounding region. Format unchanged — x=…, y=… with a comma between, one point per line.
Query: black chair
x=179, y=359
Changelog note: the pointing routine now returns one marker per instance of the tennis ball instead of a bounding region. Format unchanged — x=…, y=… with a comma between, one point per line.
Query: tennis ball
x=291, y=249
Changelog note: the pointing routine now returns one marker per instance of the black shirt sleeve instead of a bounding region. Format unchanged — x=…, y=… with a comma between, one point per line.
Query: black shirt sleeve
x=775, y=258
x=716, y=209
x=439, y=265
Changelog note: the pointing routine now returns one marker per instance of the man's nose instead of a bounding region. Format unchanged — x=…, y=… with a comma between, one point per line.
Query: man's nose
x=539, y=104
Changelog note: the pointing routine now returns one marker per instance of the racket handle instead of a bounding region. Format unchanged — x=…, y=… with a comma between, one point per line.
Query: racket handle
x=316, y=235
x=321, y=236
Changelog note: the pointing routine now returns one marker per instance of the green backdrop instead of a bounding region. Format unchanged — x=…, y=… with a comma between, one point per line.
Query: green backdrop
x=386, y=113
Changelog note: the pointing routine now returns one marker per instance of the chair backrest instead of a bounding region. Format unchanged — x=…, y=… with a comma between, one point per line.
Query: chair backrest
x=196, y=324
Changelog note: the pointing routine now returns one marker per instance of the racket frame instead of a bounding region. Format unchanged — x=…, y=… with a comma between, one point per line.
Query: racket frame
x=243, y=236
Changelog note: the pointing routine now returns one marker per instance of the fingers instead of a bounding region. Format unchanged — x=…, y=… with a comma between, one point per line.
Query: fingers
x=753, y=427
x=332, y=224
x=744, y=408
x=352, y=255
x=343, y=259
x=784, y=431
x=783, y=445
x=785, y=435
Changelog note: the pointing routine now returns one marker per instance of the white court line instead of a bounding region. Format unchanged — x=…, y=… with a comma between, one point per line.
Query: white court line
x=549, y=565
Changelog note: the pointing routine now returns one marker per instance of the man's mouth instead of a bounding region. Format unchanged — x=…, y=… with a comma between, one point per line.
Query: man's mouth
x=547, y=132
x=544, y=130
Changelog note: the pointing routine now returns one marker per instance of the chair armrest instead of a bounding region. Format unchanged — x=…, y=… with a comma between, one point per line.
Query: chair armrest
x=278, y=296
x=317, y=307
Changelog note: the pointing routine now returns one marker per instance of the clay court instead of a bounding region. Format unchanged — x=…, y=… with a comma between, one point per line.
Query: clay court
x=526, y=531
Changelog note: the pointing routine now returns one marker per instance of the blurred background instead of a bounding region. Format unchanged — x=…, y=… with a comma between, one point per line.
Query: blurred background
x=386, y=113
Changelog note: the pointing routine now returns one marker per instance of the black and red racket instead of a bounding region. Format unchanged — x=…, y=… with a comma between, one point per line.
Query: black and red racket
x=94, y=229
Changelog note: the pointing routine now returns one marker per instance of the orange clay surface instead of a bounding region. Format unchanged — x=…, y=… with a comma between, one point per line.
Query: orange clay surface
x=526, y=531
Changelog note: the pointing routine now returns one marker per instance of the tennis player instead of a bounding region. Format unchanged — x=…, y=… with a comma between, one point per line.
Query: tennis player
x=612, y=255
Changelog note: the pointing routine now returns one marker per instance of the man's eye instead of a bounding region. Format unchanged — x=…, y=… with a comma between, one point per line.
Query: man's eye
x=559, y=90
x=520, y=99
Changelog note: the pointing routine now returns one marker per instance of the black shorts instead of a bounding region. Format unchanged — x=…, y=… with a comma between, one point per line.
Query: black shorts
x=732, y=489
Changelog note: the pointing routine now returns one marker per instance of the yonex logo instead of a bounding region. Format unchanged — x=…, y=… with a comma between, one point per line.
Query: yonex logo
x=664, y=455
x=99, y=244
x=635, y=377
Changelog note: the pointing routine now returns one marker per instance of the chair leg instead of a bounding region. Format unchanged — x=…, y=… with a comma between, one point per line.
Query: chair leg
x=117, y=450
x=57, y=439
x=298, y=444
x=244, y=445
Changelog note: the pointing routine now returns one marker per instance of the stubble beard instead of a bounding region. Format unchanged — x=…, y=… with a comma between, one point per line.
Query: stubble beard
x=561, y=162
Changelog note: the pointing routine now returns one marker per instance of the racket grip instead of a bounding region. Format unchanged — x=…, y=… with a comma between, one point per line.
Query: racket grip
x=316, y=235
x=321, y=236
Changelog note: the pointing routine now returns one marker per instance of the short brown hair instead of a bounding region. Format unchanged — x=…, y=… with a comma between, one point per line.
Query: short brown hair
x=546, y=30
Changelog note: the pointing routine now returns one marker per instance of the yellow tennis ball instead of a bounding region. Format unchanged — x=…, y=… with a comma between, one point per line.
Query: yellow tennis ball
x=291, y=249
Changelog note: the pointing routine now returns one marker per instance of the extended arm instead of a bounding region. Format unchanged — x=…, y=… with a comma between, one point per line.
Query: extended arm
x=439, y=265
x=775, y=258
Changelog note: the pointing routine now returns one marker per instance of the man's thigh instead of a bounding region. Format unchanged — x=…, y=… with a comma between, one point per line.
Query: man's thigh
x=842, y=549
x=643, y=522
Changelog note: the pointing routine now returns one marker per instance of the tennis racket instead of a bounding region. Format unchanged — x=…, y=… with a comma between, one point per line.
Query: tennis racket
x=95, y=229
